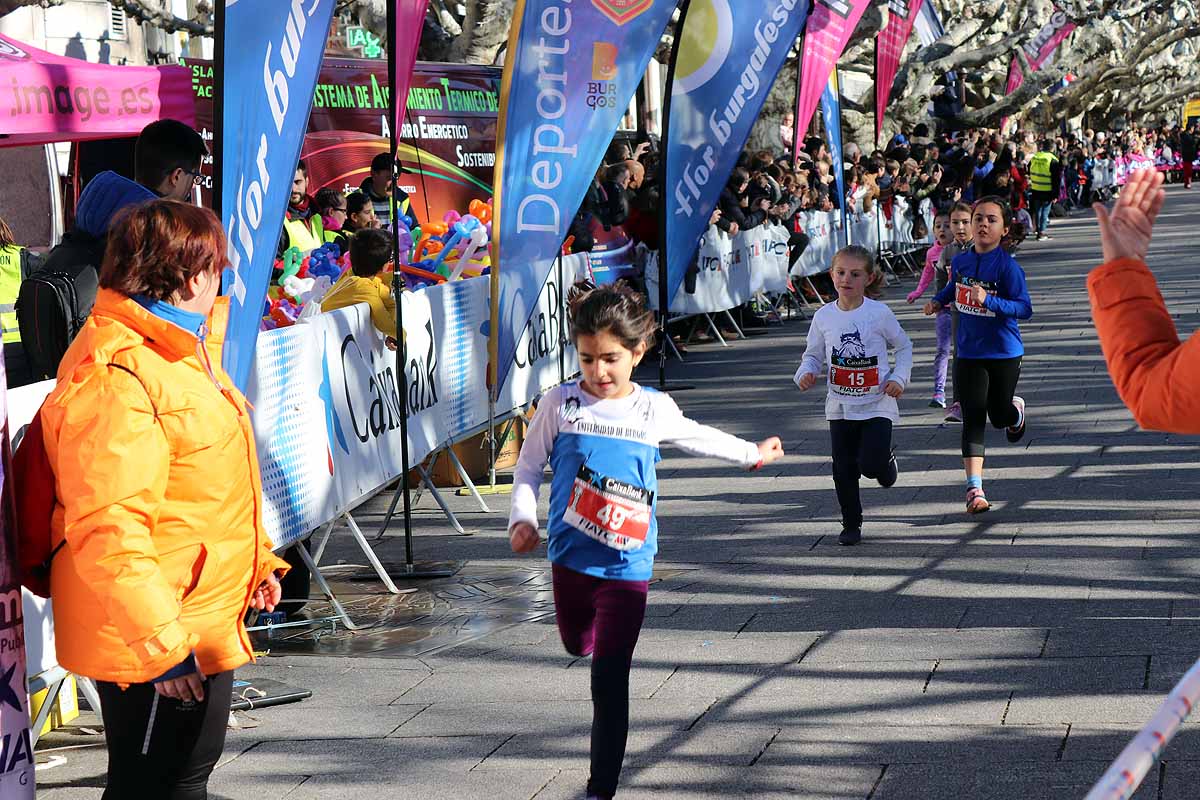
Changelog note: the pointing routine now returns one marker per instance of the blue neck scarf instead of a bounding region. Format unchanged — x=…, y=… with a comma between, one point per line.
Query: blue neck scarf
x=190, y=321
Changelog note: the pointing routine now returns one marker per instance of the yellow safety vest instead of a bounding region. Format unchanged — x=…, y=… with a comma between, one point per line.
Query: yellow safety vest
x=1039, y=172
x=10, y=285
x=305, y=235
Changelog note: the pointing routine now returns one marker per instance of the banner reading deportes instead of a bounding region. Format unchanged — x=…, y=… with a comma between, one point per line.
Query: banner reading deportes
x=570, y=72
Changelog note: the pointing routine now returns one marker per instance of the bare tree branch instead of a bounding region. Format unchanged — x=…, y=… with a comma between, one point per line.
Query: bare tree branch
x=159, y=17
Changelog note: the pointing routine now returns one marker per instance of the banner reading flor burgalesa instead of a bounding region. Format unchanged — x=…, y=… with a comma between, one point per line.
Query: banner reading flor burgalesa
x=729, y=55
x=272, y=54
x=572, y=69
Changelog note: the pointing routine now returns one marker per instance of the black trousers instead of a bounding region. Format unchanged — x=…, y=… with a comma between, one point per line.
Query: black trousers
x=159, y=747
x=860, y=448
x=985, y=389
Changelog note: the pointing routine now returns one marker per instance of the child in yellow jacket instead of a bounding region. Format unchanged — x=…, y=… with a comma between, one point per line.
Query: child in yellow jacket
x=366, y=282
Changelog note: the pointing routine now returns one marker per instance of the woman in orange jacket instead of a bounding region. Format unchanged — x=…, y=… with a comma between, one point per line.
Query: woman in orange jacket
x=1157, y=376
x=159, y=503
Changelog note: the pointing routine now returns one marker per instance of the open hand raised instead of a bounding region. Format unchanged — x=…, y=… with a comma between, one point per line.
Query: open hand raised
x=1126, y=230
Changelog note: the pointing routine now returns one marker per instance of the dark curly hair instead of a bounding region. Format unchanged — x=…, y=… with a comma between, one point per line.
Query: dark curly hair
x=613, y=308
x=155, y=248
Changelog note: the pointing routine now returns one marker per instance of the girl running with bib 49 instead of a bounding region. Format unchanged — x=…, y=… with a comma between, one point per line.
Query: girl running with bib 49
x=601, y=436
x=988, y=289
x=852, y=336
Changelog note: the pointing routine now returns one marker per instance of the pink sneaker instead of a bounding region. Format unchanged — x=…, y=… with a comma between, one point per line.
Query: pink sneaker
x=954, y=413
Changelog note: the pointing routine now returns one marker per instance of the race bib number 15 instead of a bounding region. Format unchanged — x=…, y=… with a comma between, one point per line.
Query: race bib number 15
x=612, y=512
x=853, y=377
x=966, y=304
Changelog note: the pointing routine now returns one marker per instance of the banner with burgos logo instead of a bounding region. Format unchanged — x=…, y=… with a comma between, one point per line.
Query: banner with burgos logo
x=272, y=52
x=729, y=55
x=49, y=98
x=571, y=70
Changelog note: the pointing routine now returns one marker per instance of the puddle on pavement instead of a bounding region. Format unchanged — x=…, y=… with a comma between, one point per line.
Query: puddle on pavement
x=441, y=613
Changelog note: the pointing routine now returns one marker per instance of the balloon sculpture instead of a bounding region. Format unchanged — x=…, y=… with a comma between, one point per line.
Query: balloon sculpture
x=429, y=254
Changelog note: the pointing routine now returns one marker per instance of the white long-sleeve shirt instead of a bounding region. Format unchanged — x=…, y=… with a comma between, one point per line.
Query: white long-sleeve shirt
x=854, y=346
x=604, y=490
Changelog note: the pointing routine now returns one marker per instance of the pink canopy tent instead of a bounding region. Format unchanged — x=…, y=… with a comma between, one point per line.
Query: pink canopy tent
x=47, y=98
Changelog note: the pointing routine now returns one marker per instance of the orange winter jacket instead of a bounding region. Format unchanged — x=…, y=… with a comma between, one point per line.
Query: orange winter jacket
x=1157, y=376
x=159, y=499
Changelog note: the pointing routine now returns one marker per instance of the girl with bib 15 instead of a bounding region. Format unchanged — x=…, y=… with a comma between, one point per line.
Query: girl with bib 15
x=601, y=435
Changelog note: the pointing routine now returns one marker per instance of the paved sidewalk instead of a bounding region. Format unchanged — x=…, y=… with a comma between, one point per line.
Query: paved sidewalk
x=1009, y=655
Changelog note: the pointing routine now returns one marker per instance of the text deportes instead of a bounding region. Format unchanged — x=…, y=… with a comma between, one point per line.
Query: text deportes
x=247, y=214
x=696, y=176
x=540, y=212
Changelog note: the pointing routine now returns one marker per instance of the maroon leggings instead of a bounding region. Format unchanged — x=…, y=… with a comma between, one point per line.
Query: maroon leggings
x=602, y=617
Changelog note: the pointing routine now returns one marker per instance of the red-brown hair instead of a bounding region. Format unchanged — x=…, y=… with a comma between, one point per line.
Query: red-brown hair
x=154, y=249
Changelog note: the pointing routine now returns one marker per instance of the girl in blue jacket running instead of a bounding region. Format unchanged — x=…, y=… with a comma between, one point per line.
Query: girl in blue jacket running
x=601, y=435
x=987, y=287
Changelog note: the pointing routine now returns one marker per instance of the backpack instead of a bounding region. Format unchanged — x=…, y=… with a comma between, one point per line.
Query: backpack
x=34, y=489
x=52, y=306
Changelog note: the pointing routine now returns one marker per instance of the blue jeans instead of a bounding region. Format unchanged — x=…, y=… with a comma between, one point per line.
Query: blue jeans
x=1041, y=209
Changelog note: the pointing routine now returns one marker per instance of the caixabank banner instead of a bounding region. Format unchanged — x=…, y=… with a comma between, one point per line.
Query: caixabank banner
x=327, y=407
x=447, y=140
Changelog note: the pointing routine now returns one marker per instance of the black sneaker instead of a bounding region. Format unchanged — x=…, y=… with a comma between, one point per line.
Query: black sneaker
x=890, y=473
x=850, y=537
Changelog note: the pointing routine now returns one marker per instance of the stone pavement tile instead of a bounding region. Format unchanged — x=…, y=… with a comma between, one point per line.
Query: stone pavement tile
x=894, y=644
x=844, y=782
x=567, y=718
x=813, y=745
x=991, y=781
x=876, y=612
x=707, y=617
x=331, y=721
x=1167, y=670
x=742, y=649
x=709, y=745
x=1122, y=637
x=1177, y=779
x=276, y=662
x=1023, y=613
x=1089, y=707
x=520, y=682
x=362, y=767
x=1090, y=741
x=353, y=688
x=430, y=785
x=1041, y=677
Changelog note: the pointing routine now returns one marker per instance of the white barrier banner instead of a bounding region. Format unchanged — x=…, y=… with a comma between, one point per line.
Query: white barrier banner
x=545, y=354
x=768, y=245
x=824, y=239
x=326, y=408
x=722, y=278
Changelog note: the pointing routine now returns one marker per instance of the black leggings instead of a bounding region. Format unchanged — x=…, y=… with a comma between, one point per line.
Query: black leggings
x=985, y=388
x=860, y=447
x=159, y=747
x=602, y=617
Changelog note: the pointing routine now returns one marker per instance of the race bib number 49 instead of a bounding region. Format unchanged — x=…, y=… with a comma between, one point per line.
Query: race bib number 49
x=612, y=512
x=966, y=304
x=854, y=377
